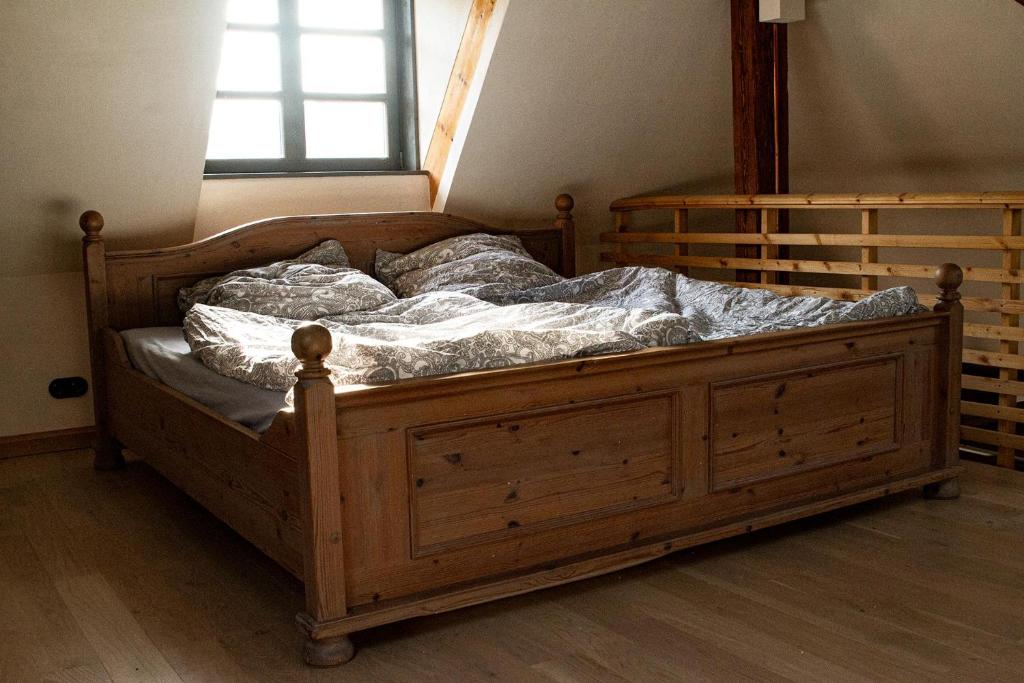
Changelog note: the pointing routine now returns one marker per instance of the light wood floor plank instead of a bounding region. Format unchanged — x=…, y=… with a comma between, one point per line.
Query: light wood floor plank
x=124, y=648
x=119, y=576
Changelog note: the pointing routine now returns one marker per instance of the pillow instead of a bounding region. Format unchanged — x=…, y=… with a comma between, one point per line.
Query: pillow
x=481, y=265
x=317, y=284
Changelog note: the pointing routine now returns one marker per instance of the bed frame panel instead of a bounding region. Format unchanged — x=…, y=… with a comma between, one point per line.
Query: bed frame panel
x=424, y=495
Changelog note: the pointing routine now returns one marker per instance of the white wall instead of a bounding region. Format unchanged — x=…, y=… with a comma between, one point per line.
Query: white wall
x=227, y=202
x=907, y=95
x=105, y=105
x=602, y=99
x=44, y=337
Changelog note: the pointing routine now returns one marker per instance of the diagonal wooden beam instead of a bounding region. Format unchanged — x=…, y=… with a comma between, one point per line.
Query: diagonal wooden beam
x=458, y=88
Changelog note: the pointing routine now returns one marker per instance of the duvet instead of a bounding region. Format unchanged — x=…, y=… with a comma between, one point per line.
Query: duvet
x=471, y=327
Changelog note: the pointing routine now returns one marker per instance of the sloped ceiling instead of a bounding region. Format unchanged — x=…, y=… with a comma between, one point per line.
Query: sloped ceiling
x=606, y=99
x=105, y=105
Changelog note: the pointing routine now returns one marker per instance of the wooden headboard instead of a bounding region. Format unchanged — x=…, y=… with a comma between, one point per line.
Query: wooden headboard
x=130, y=289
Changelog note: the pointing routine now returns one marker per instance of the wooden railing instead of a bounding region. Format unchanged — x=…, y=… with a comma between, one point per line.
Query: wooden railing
x=992, y=420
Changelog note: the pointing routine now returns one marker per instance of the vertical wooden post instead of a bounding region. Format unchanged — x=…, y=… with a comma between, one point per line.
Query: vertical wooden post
x=323, y=550
x=760, y=113
x=108, y=451
x=949, y=277
x=621, y=225
x=680, y=224
x=869, y=226
x=1005, y=455
x=564, y=222
x=769, y=226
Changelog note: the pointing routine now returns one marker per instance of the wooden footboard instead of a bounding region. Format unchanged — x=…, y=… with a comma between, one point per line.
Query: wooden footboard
x=454, y=490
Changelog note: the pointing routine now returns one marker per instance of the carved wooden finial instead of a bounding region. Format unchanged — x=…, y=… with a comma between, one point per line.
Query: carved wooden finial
x=949, y=277
x=91, y=222
x=564, y=203
x=311, y=344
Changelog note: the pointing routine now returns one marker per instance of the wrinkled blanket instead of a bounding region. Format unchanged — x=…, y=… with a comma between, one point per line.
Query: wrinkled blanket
x=434, y=333
x=315, y=284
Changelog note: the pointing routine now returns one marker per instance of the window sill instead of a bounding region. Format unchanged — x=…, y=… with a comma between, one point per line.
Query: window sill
x=306, y=174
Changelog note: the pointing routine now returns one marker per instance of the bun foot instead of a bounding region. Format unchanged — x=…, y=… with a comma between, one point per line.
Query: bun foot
x=943, y=490
x=108, y=455
x=328, y=652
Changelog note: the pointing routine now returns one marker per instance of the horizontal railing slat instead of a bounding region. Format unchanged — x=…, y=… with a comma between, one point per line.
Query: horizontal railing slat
x=806, y=266
x=982, y=242
x=991, y=411
x=956, y=200
x=994, y=359
x=992, y=385
x=993, y=332
x=991, y=438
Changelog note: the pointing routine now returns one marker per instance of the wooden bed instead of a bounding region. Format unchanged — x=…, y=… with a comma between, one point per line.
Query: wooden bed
x=425, y=495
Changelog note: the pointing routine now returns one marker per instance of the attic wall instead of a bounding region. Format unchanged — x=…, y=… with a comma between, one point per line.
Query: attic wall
x=105, y=105
x=602, y=99
x=907, y=95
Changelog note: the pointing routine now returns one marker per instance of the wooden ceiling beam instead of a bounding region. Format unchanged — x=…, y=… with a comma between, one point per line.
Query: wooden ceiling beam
x=457, y=91
x=760, y=113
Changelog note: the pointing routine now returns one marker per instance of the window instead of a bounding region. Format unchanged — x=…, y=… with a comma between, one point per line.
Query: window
x=314, y=85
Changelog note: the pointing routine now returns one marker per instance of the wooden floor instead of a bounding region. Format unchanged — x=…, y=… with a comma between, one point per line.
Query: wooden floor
x=118, y=576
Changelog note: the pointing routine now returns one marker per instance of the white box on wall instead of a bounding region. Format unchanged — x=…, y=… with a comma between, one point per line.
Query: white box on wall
x=780, y=11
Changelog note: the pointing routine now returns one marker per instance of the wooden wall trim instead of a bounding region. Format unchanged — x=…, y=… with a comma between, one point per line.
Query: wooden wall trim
x=458, y=89
x=46, y=442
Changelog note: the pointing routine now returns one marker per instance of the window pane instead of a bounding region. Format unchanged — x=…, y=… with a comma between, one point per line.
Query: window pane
x=346, y=130
x=245, y=129
x=252, y=11
x=343, y=64
x=351, y=14
x=250, y=60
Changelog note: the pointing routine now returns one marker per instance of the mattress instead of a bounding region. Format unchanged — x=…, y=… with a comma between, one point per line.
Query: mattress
x=163, y=354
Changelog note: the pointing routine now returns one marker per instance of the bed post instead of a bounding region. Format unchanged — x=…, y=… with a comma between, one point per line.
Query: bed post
x=564, y=222
x=108, y=451
x=323, y=557
x=948, y=277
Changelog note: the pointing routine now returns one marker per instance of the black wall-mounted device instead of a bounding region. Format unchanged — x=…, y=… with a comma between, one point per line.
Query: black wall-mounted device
x=68, y=387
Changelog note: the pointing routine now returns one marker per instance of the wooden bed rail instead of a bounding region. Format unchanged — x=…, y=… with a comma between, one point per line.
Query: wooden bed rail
x=992, y=418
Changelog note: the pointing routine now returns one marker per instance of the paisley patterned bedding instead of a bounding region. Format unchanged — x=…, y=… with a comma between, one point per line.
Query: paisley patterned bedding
x=479, y=316
x=318, y=283
x=488, y=265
